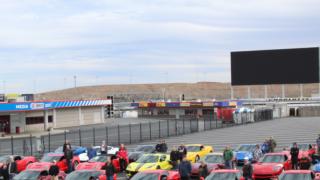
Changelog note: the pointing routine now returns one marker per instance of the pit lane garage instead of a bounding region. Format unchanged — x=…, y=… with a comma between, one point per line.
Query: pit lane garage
x=34, y=116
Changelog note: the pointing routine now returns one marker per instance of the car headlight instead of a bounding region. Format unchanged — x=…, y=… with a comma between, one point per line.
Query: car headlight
x=277, y=168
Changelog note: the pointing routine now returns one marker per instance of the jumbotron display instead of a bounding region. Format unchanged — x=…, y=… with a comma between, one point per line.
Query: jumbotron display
x=282, y=66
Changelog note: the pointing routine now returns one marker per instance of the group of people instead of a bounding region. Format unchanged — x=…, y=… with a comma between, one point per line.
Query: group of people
x=7, y=171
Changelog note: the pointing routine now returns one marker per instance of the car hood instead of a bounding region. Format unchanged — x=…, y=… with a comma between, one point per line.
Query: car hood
x=240, y=155
x=266, y=168
x=141, y=166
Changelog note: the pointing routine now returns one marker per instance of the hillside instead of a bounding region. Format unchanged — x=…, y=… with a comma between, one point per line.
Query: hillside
x=200, y=90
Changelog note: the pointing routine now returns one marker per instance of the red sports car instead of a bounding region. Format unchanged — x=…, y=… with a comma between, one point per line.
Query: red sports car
x=157, y=175
x=272, y=165
x=213, y=160
x=38, y=171
x=86, y=174
x=98, y=162
x=225, y=174
x=21, y=161
x=305, y=150
x=61, y=162
x=297, y=174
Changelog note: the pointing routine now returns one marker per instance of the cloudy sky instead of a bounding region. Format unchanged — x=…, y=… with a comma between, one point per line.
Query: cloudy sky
x=45, y=43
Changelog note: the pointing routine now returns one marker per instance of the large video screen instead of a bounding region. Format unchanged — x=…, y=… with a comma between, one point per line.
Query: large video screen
x=283, y=66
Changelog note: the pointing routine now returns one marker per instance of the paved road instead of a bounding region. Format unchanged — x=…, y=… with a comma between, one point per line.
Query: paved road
x=285, y=131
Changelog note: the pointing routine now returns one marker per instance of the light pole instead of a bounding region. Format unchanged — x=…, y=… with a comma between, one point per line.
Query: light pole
x=75, y=81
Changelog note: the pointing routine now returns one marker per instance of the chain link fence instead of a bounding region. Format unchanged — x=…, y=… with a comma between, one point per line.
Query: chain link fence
x=117, y=134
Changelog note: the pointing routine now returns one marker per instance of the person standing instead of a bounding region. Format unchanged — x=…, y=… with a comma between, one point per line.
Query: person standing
x=203, y=170
x=272, y=144
x=123, y=156
x=185, y=169
x=158, y=146
x=103, y=148
x=164, y=147
x=257, y=153
x=110, y=170
x=318, y=144
x=294, y=152
x=247, y=169
x=265, y=147
x=174, y=157
x=67, y=143
x=68, y=154
x=12, y=168
x=228, y=157
x=182, y=152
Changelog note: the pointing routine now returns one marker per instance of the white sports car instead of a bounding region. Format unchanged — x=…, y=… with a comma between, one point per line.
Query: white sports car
x=111, y=150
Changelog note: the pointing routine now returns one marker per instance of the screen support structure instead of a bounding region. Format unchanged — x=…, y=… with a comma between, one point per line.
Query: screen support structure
x=231, y=92
x=265, y=91
x=249, y=92
x=301, y=90
x=283, y=90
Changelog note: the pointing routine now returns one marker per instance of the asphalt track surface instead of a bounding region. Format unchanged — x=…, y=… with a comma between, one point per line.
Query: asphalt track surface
x=284, y=131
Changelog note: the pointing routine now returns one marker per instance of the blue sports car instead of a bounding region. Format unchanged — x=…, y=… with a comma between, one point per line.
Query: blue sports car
x=244, y=151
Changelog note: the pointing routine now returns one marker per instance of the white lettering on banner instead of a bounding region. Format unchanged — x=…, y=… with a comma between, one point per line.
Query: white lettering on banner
x=37, y=105
x=22, y=106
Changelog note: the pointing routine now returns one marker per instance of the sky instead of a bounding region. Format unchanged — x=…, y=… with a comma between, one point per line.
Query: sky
x=45, y=44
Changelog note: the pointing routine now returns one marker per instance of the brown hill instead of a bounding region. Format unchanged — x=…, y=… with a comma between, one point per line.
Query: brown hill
x=200, y=90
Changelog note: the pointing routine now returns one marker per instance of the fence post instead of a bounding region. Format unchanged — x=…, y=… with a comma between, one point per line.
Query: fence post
x=107, y=135
x=31, y=150
x=65, y=135
x=12, y=145
x=94, y=136
x=130, y=133
x=49, y=141
x=150, y=130
x=211, y=118
x=183, y=125
x=80, y=138
x=118, y=134
x=168, y=130
x=140, y=132
x=176, y=122
x=217, y=122
x=198, y=124
x=190, y=127
x=159, y=129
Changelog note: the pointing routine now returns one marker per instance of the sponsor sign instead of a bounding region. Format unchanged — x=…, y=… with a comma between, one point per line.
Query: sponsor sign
x=160, y=104
x=184, y=104
x=207, y=104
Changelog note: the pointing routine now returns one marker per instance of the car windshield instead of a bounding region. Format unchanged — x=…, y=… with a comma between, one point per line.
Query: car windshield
x=148, y=159
x=224, y=176
x=134, y=155
x=4, y=159
x=273, y=159
x=27, y=175
x=99, y=159
x=295, y=177
x=144, y=148
x=48, y=158
x=214, y=159
x=83, y=175
x=249, y=148
x=193, y=148
x=145, y=176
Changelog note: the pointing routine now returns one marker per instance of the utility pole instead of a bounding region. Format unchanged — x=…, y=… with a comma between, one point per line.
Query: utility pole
x=75, y=81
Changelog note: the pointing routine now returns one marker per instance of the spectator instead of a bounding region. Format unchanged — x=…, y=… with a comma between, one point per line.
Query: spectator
x=4, y=172
x=247, y=169
x=12, y=167
x=164, y=147
x=103, y=148
x=185, y=169
x=174, y=157
x=265, y=147
x=272, y=144
x=182, y=152
x=294, y=152
x=228, y=157
x=203, y=170
x=67, y=143
x=158, y=146
x=110, y=170
x=305, y=163
x=54, y=172
x=318, y=144
x=123, y=155
x=91, y=152
x=92, y=178
x=68, y=155
x=257, y=153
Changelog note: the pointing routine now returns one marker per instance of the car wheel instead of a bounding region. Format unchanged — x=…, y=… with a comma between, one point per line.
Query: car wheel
x=197, y=158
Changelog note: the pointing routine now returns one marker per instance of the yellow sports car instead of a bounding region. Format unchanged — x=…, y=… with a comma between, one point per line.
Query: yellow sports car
x=197, y=151
x=149, y=162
